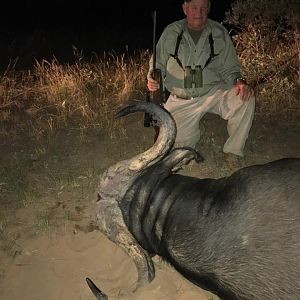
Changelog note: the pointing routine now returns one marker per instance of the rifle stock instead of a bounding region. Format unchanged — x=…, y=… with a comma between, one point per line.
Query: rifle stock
x=156, y=97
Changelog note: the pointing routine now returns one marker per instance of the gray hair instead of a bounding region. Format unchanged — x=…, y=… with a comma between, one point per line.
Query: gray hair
x=188, y=1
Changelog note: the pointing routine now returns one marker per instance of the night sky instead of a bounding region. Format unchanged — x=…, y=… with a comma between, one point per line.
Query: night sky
x=40, y=29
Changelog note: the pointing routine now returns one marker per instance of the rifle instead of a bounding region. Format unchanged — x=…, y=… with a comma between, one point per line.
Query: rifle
x=157, y=96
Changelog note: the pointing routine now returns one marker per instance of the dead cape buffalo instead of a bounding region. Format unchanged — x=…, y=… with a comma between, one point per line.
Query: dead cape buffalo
x=237, y=236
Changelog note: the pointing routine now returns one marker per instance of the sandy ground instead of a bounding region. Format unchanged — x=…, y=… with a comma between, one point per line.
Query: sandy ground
x=49, y=240
x=55, y=268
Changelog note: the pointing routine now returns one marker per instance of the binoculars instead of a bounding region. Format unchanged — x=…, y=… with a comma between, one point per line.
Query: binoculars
x=193, y=77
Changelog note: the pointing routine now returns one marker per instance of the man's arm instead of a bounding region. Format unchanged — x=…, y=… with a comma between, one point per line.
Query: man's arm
x=232, y=70
x=162, y=57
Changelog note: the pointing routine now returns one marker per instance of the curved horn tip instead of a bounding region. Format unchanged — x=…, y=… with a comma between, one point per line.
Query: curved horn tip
x=97, y=293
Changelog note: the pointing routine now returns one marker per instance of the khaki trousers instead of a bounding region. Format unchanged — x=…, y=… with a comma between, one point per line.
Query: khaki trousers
x=225, y=103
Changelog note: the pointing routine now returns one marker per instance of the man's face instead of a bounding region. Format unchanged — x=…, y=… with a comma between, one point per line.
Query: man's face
x=196, y=13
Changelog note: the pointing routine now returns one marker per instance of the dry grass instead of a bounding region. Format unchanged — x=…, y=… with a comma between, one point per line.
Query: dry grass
x=84, y=94
x=268, y=44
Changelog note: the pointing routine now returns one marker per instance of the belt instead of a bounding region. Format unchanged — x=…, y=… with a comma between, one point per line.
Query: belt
x=181, y=97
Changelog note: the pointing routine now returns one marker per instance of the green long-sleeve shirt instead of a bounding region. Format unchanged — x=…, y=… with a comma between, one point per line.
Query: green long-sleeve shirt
x=224, y=68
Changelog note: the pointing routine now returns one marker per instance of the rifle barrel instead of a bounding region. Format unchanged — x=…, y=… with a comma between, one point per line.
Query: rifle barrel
x=154, y=41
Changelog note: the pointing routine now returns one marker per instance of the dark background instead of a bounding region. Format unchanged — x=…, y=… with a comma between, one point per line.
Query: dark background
x=32, y=29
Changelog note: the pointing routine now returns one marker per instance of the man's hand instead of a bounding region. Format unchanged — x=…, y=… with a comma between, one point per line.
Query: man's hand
x=152, y=85
x=243, y=89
